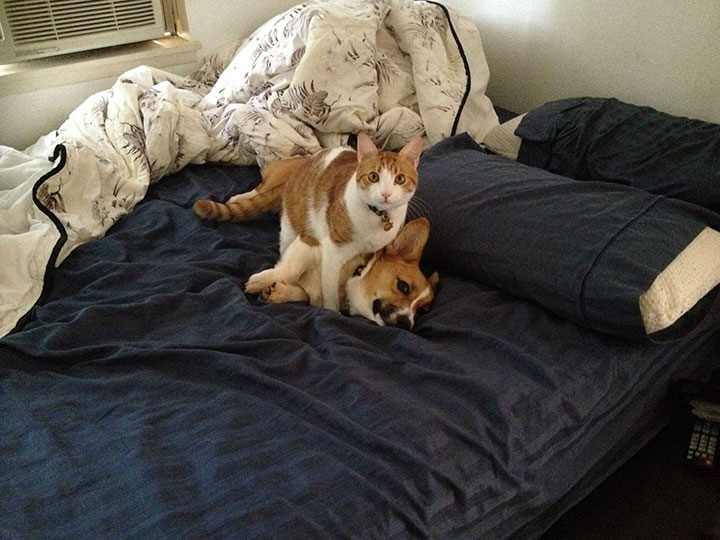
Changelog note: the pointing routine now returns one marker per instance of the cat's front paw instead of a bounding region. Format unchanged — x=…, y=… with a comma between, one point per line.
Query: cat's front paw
x=259, y=281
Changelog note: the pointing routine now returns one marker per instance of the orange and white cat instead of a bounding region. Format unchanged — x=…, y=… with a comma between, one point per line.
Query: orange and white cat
x=387, y=286
x=335, y=205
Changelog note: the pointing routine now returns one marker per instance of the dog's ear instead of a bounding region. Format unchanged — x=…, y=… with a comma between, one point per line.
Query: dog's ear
x=410, y=241
x=434, y=281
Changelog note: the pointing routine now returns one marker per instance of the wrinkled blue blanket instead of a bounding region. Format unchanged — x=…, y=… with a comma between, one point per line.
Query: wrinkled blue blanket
x=149, y=397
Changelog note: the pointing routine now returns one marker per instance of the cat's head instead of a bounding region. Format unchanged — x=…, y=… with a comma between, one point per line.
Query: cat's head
x=390, y=288
x=387, y=180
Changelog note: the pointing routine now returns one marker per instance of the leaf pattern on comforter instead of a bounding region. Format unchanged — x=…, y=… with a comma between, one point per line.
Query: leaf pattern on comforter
x=306, y=79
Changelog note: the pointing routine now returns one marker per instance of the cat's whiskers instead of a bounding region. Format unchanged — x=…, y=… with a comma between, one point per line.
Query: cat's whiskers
x=417, y=207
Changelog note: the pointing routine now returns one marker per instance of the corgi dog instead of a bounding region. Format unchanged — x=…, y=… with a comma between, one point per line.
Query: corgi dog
x=386, y=286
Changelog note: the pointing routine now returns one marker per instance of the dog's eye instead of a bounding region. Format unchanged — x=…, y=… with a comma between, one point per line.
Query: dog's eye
x=373, y=177
x=403, y=287
x=400, y=179
x=359, y=270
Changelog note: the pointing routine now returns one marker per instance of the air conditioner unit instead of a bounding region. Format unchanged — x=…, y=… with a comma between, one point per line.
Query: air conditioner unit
x=40, y=28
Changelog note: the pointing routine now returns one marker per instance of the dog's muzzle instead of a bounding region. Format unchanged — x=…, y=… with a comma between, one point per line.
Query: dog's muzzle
x=389, y=316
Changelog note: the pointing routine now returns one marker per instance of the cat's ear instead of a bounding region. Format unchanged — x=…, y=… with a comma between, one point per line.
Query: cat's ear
x=411, y=240
x=365, y=146
x=412, y=150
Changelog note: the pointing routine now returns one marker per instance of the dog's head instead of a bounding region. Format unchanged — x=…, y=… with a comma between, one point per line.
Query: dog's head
x=389, y=288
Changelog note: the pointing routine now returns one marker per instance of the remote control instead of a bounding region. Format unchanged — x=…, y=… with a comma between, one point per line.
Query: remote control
x=703, y=443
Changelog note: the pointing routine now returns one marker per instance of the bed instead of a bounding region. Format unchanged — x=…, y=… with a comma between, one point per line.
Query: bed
x=144, y=395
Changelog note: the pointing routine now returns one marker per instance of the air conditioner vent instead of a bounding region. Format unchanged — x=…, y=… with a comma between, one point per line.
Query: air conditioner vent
x=45, y=27
x=33, y=21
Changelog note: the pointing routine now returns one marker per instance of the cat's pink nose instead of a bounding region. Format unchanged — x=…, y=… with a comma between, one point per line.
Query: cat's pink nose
x=386, y=195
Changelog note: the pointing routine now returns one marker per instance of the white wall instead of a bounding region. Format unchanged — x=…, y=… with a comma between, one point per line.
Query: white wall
x=215, y=22
x=662, y=53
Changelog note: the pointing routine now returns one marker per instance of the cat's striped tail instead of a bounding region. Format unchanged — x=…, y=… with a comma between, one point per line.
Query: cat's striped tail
x=240, y=207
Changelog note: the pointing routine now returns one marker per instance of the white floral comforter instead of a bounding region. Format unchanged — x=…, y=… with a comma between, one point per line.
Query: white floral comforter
x=306, y=79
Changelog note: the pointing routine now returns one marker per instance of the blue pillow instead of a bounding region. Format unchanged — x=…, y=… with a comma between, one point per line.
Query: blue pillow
x=584, y=250
x=611, y=141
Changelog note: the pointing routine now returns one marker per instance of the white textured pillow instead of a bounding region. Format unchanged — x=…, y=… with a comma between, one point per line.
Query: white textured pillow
x=502, y=139
x=689, y=277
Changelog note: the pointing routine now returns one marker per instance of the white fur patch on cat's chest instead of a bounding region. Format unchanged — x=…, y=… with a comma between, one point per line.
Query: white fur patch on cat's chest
x=380, y=236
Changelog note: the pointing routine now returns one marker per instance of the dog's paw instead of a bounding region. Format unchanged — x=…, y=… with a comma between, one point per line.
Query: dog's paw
x=267, y=293
x=282, y=293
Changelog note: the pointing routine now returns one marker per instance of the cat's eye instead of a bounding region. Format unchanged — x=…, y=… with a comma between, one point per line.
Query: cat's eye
x=400, y=179
x=373, y=177
x=403, y=287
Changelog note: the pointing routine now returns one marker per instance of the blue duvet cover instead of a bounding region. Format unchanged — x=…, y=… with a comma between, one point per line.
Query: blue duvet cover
x=148, y=397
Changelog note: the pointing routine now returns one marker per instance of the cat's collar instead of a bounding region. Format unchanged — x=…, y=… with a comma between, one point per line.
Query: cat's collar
x=384, y=217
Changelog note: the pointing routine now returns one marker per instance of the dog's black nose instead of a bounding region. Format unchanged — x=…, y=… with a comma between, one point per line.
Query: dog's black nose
x=403, y=322
x=377, y=304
